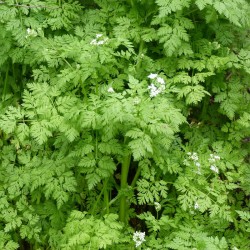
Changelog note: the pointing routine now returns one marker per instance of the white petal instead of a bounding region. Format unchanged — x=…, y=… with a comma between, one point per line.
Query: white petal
x=100, y=42
x=93, y=42
x=197, y=164
x=111, y=90
x=160, y=80
x=152, y=76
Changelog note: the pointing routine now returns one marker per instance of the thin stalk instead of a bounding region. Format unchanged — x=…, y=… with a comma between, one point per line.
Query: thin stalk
x=204, y=107
x=113, y=200
x=106, y=199
x=96, y=146
x=6, y=81
x=141, y=47
x=124, y=185
x=114, y=183
x=84, y=92
x=137, y=174
x=14, y=73
x=99, y=197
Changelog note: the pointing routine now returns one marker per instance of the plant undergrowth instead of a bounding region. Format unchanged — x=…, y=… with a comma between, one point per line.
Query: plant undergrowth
x=125, y=124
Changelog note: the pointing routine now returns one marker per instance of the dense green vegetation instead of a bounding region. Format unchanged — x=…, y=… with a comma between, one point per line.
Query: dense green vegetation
x=125, y=124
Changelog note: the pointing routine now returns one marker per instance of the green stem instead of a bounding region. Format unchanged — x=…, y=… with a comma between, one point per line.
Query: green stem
x=124, y=185
x=6, y=81
x=99, y=197
x=204, y=107
x=137, y=174
x=96, y=146
x=106, y=200
x=141, y=47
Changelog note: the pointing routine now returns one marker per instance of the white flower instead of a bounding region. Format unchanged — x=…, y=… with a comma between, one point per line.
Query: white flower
x=152, y=76
x=197, y=164
x=157, y=206
x=198, y=167
x=152, y=87
x=196, y=205
x=158, y=88
x=193, y=156
x=111, y=90
x=217, y=157
x=97, y=41
x=214, y=168
x=100, y=42
x=213, y=158
x=138, y=238
x=93, y=42
x=31, y=32
x=154, y=91
x=160, y=80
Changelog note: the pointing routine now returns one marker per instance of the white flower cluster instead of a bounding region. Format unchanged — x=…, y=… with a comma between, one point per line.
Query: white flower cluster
x=157, y=206
x=111, y=90
x=97, y=41
x=31, y=32
x=214, y=168
x=213, y=158
x=155, y=90
x=194, y=156
x=138, y=238
x=196, y=205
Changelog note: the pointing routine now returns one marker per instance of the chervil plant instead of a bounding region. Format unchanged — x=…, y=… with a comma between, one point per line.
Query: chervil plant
x=124, y=124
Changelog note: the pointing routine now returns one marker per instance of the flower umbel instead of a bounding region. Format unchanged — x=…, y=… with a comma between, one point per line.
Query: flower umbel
x=154, y=91
x=98, y=35
x=138, y=238
x=193, y=156
x=214, y=168
x=196, y=205
x=157, y=206
x=160, y=80
x=97, y=41
x=157, y=86
x=213, y=158
x=31, y=32
x=152, y=76
x=198, y=165
x=111, y=90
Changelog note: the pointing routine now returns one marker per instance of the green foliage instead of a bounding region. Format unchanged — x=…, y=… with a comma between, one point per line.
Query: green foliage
x=124, y=116
x=81, y=232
